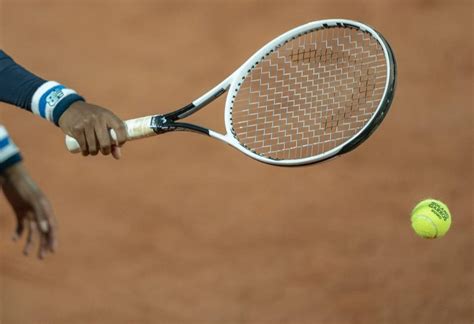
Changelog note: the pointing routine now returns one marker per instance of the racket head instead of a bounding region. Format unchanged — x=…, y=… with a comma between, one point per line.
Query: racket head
x=313, y=93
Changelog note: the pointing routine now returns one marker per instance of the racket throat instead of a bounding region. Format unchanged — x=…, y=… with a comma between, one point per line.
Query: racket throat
x=163, y=124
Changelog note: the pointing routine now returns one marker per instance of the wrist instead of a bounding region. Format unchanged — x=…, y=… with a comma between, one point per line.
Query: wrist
x=13, y=174
x=9, y=153
x=13, y=171
x=52, y=99
x=69, y=116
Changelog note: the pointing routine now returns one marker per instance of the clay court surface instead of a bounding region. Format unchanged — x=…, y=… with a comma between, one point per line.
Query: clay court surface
x=187, y=230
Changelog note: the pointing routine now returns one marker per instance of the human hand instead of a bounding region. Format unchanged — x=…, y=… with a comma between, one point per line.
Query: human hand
x=32, y=210
x=89, y=125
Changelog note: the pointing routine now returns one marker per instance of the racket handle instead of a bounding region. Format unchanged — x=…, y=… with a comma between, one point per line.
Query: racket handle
x=136, y=129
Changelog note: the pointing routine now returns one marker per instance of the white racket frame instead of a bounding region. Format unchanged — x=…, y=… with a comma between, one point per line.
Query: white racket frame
x=141, y=127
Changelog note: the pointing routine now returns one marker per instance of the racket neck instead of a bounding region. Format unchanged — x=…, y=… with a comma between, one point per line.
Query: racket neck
x=166, y=123
x=180, y=113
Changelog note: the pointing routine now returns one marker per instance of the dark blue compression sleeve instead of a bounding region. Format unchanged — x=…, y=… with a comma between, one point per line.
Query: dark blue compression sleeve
x=22, y=88
x=17, y=85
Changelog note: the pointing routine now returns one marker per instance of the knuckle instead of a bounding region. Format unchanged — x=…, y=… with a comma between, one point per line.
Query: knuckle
x=122, y=132
x=104, y=139
x=122, y=126
x=106, y=116
x=77, y=128
x=80, y=141
x=89, y=119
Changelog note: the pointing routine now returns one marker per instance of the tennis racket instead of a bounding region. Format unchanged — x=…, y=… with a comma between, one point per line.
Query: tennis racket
x=315, y=92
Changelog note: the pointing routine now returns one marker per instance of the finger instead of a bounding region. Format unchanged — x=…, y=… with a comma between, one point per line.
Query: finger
x=120, y=130
x=20, y=227
x=52, y=242
x=91, y=139
x=103, y=137
x=51, y=238
x=80, y=137
x=42, y=213
x=44, y=217
x=42, y=247
x=29, y=238
x=116, y=152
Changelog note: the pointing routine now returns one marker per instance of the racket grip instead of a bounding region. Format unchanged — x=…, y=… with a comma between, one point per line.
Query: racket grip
x=136, y=129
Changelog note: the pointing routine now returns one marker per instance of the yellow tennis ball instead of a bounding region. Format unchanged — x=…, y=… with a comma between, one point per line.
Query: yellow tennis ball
x=430, y=218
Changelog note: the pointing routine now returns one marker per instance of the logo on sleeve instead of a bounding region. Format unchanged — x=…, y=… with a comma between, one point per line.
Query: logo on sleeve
x=53, y=98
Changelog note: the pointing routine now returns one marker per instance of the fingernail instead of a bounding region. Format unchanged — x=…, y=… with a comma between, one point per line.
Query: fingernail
x=44, y=226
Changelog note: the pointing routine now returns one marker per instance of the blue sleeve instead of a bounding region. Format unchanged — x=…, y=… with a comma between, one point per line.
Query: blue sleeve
x=17, y=85
x=9, y=153
x=22, y=88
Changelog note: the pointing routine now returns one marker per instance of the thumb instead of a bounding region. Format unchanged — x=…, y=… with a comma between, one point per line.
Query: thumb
x=116, y=152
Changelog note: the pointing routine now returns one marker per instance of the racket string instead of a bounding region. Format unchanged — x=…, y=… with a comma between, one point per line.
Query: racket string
x=311, y=95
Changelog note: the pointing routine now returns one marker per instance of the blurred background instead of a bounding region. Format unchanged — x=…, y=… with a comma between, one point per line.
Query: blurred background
x=186, y=230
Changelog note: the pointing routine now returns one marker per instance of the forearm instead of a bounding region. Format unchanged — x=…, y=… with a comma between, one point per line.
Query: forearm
x=22, y=88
